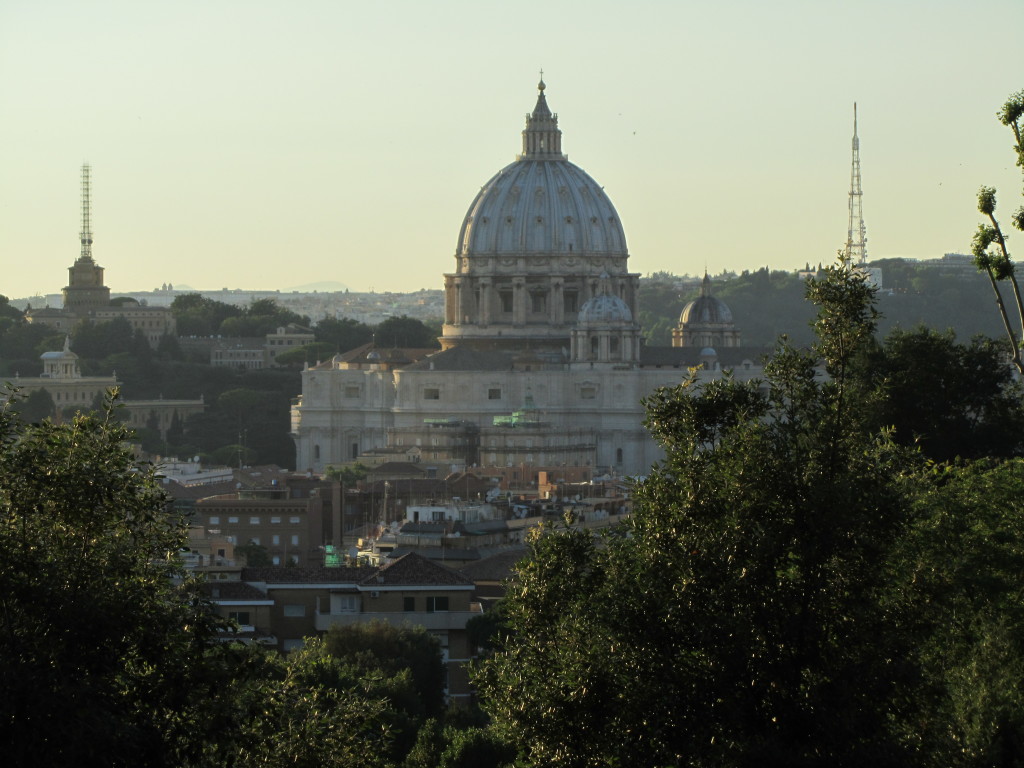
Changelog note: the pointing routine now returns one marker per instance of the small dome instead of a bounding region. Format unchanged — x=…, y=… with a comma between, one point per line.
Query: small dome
x=63, y=354
x=706, y=309
x=605, y=308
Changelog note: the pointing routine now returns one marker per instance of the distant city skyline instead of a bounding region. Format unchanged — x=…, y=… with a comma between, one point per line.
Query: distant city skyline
x=264, y=145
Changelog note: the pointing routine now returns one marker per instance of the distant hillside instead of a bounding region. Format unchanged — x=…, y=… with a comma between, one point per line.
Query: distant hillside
x=766, y=304
x=325, y=286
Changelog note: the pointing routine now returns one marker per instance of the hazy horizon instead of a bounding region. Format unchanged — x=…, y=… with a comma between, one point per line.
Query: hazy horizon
x=265, y=143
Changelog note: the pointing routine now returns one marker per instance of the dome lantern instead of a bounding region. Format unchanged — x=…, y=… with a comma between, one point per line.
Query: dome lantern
x=542, y=140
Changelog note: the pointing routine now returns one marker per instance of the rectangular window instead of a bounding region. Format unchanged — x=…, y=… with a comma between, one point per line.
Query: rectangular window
x=275, y=520
x=214, y=520
x=506, y=300
x=242, y=617
x=275, y=539
x=254, y=521
x=294, y=610
x=295, y=540
x=494, y=394
x=293, y=519
x=232, y=519
x=255, y=540
x=431, y=393
x=275, y=560
x=352, y=391
x=437, y=604
x=408, y=604
x=588, y=393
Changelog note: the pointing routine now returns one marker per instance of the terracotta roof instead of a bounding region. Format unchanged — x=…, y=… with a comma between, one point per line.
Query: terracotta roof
x=285, y=575
x=438, y=554
x=496, y=567
x=415, y=570
x=463, y=358
x=178, y=491
x=397, y=467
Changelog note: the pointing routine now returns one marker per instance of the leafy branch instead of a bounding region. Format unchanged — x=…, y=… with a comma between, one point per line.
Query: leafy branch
x=995, y=261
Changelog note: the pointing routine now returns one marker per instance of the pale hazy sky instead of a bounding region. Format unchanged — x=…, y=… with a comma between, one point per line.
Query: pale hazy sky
x=271, y=144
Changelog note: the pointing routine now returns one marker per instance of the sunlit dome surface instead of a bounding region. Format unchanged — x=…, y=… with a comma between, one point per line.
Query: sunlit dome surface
x=541, y=203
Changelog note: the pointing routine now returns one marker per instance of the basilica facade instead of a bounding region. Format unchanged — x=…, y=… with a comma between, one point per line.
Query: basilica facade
x=542, y=361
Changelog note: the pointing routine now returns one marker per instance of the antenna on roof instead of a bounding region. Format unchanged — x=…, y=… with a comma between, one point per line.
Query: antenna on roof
x=86, y=236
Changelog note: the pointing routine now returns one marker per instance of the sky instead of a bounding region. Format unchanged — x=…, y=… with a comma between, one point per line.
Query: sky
x=264, y=144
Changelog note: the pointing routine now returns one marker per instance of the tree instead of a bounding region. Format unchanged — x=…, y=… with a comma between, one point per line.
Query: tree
x=989, y=243
x=35, y=406
x=378, y=645
x=404, y=332
x=96, y=624
x=261, y=317
x=738, y=618
x=196, y=315
x=108, y=654
x=948, y=399
x=347, y=474
x=345, y=333
x=959, y=569
x=405, y=664
x=307, y=353
x=307, y=710
x=254, y=555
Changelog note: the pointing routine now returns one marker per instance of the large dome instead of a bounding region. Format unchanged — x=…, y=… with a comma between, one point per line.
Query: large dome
x=541, y=206
x=541, y=203
x=532, y=250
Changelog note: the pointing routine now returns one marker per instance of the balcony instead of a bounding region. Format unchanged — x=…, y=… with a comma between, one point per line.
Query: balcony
x=439, y=621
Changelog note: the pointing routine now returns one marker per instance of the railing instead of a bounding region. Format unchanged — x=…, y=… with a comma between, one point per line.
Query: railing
x=441, y=620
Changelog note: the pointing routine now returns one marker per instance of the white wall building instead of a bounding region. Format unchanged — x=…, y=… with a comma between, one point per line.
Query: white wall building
x=540, y=315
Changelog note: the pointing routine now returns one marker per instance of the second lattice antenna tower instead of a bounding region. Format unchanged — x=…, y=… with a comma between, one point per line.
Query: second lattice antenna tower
x=856, y=237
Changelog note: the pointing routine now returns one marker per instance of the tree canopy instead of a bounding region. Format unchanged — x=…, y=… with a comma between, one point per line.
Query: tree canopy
x=108, y=653
x=781, y=594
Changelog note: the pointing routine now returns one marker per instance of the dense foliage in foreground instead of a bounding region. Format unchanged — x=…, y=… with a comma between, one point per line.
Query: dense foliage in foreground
x=108, y=653
x=795, y=587
x=798, y=586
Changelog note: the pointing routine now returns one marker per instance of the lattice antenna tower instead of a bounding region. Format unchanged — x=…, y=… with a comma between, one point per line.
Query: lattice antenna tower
x=856, y=237
x=86, y=214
